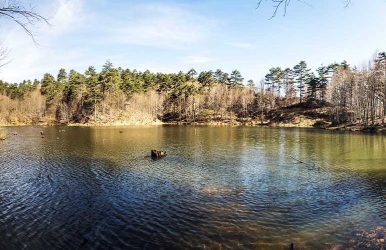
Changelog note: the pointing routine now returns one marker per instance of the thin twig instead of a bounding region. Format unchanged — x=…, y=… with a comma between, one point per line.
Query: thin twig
x=347, y=3
x=24, y=17
x=299, y=161
x=285, y=3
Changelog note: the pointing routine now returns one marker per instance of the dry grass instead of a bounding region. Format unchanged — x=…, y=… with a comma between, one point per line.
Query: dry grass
x=3, y=134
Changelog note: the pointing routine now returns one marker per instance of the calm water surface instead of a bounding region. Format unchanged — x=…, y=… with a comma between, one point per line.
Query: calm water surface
x=219, y=188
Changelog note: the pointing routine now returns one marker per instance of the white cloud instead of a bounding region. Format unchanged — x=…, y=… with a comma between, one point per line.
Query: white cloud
x=68, y=16
x=82, y=34
x=161, y=25
x=242, y=45
x=196, y=59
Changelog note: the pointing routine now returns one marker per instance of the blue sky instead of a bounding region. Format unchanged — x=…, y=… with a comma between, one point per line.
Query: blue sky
x=169, y=36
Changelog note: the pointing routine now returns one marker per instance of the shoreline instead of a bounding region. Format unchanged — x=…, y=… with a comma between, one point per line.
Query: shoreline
x=304, y=123
x=301, y=115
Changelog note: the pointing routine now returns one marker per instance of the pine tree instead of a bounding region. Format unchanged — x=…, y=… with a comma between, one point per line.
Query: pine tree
x=302, y=76
x=235, y=79
x=323, y=76
x=191, y=74
x=49, y=87
x=275, y=79
x=93, y=91
x=206, y=79
x=62, y=76
x=288, y=79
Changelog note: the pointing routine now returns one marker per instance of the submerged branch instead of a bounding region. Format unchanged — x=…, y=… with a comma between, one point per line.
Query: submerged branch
x=306, y=163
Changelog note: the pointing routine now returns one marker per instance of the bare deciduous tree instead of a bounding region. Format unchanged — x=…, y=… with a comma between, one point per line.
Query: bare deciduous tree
x=3, y=55
x=25, y=17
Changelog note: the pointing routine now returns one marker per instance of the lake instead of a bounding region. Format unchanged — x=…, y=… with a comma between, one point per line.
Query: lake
x=218, y=187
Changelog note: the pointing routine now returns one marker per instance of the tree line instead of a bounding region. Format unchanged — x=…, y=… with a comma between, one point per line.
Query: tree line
x=115, y=94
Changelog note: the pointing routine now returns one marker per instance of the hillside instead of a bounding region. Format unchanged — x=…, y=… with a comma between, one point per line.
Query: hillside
x=319, y=116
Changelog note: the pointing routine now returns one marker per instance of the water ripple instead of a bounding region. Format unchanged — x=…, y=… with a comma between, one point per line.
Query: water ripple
x=219, y=188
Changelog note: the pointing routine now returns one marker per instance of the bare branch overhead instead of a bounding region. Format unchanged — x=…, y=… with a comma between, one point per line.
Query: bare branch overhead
x=277, y=4
x=27, y=18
